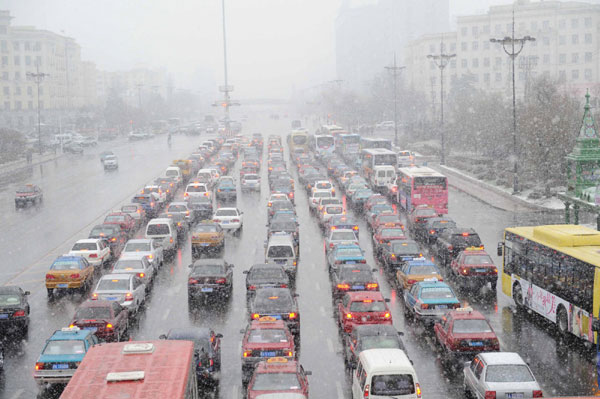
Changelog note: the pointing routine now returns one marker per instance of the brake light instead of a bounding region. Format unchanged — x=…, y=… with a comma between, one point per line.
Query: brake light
x=418, y=390
x=466, y=235
x=94, y=296
x=71, y=325
x=255, y=316
x=108, y=325
x=348, y=316
x=432, y=232
x=129, y=296
x=192, y=281
x=538, y=394
x=424, y=306
x=293, y=315
x=217, y=220
x=93, y=255
x=355, y=228
x=171, y=240
x=75, y=275
x=186, y=194
x=220, y=281
x=290, y=354
x=366, y=392
x=19, y=313
x=141, y=275
x=235, y=220
x=372, y=286
x=247, y=353
x=39, y=366
x=343, y=287
x=464, y=271
x=411, y=281
x=50, y=277
x=490, y=394
x=114, y=239
x=387, y=315
x=252, y=287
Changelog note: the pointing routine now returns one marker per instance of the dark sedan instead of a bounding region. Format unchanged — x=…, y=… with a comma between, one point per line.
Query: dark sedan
x=113, y=234
x=14, y=310
x=370, y=336
x=278, y=303
x=108, y=320
x=209, y=278
x=268, y=275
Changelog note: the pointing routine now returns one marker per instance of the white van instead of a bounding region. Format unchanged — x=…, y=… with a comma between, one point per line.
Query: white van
x=382, y=176
x=205, y=176
x=174, y=172
x=280, y=249
x=385, y=373
x=164, y=233
x=195, y=190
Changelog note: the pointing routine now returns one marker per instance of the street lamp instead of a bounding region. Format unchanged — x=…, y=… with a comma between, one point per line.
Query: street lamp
x=442, y=60
x=509, y=43
x=395, y=72
x=38, y=77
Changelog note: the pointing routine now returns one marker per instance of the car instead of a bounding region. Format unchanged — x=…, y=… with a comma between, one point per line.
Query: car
x=207, y=353
x=349, y=278
x=283, y=186
x=289, y=226
x=370, y=336
x=123, y=220
x=175, y=173
x=73, y=148
x=112, y=233
x=429, y=300
x=315, y=196
x=229, y=219
x=340, y=237
x=207, y=236
x=415, y=270
x=345, y=254
x=328, y=212
x=328, y=201
x=465, y=332
x=386, y=220
x=383, y=235
x=280, y=377
x=354, y=187
x=454, y=240
x=225, y=190
x=278, y=303
x=180, y=222
x=137, y=264
x=323, y=185
x=168, y=185
x=504, y=373
x=146, y=247
x=265, y=275
x=28, y=194
x=250, y=182
x=376, y=199
x=69, y=273
x=362, y=307
x=210, y=278
x=111, y=162
x=96, y=251
x=108, y=320
x=195, y=189
x=344, y=222
x=418, y=217
x=279, y=205
x=202, y=207
x=277, y=197
x=150, y=203
x=127, y=289
x=180, y=208
x=61, y=355
x=136, y=211
x=396, y=253
x=105, y=154
x=433, y=228
x=474, y=269
x=156, y=189
x=14, y=310
x=263, y=339
x=359, y=197
x=165, y=233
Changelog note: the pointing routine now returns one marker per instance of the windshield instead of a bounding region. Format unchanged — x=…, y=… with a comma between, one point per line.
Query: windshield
x=367, y=306
x=113, y=285
x=68, y=347
x=436, y=293
x=280, y=251
x=275, y=382
x=508, y=373
x=392, y=385
x=267, y=336
x=478, y=260
x=84, y=246
x=128, y=264
x=92, y=313
x=138, y=247
x=208, y=270
x=467, y=326
x=158, y=229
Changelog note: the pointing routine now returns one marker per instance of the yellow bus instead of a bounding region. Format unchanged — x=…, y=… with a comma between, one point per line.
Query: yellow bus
x=298, y=142
x=554, y=271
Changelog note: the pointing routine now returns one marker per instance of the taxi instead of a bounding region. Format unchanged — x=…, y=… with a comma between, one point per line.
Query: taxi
x=429, y=300
x=386, y=220
x=385, y=234
x=415, y=270
x=278, y=375
x=344, y=222
x=473, y=268
x=376, y=199
x=396, y=253
x=265, y=338
x=206, y=236
x=362, y=307
x=61, y=355
x=186, y=167
x=465, y=332
x=69, y=273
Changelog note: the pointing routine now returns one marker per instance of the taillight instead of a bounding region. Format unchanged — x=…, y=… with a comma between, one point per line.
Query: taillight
x=431, y=231
x=129, y=296
x=247, y=353
x=293, y=315
x=75, y=275
x=418, y=390
x=490, y=394
x=387, y=315
x=538, y=394
x=355, y=228
x=94, y=296
x=252, y=287
x=255, y=316
x=220, y=281
x=464, y=271
x=372, y=286
x=50, y=277
x=235, y=220
x=349, y=316
x=108, y=325
x=114, y=239
x=366, y=392
x=19, y=313
x=424, y=306
x=192, y=281
x=411, y=281
x=343, y=286
x=39, y=366
x=93, y=255
x=141, y=275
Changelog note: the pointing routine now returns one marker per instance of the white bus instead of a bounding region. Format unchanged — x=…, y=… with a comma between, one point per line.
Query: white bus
x=373, y=157
x=323, y=144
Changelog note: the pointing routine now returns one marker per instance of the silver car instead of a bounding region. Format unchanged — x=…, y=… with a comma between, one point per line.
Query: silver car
x=250, y=182
x=504, y=373
x=341, y=236
x=127, y=289
x=147, y=248
x=136, y=264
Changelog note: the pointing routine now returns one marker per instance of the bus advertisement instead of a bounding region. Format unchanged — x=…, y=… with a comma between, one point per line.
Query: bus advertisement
x=369, y=142
x=167, y=368
x=298, y=141
x=554, y=271
x=372, y=158
x=323, y=144
x=422, y=186
x=348, y=145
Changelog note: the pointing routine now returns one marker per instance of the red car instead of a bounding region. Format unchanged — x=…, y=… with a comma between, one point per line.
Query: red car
x=265, y=338
x=387, y=220
x=465, y=332
x=363, y=307
x=107, y=319
x=385, y=234
x=124, y=220
x=473, y=269
x=419, y=215
x=278, y=375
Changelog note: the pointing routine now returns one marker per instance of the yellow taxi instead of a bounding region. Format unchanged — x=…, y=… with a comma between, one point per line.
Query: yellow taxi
x=69, y=273
x=416, y=270
x=185, y=165
x=207, y=236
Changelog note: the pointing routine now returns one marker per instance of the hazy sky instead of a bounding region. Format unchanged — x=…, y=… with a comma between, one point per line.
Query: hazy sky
x=273, y=45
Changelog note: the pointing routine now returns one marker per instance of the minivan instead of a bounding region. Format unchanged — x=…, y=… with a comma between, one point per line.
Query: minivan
x=164, y=232
x=174, y=172
x=381, y=373
x=280, y=249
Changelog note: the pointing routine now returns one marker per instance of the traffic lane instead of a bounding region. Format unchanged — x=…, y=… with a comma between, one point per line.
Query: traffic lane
x=77, y=190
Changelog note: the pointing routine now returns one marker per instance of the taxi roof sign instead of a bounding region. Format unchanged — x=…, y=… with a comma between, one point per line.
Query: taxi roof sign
x=267, y=319
x=466, y=309
x=277, y=359
x=479, y=248
x=70, y=329
x=432, y=279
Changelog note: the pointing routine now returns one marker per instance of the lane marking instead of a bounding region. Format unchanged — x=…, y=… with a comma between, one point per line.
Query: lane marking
x=235, y=391
x=330, y=345
x=340, y=392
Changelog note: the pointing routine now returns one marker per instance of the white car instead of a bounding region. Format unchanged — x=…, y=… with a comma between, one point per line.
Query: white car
x=328, y=211
x=175, y=173
x=146, y=247
x=278, y=197
x=328, y=201
x=316, y=195
x=110, y=162
x=322, y=185
x=136, y=211
x=229, y=219
x=152, y=188
x=250, y=182
x=195, y=190
x=126, y=289
x=341, y=236
x=94, y=250
x=504, y=373
x=137, y=264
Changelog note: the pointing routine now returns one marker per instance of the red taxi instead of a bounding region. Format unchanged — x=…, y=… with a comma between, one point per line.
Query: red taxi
x=465, y=332
x=124, y=220
x=278, y=375
x=386, y=220
x=265, y=338
x=373, y=200
x=473, y=268
x=385, y=234
x=363, y=307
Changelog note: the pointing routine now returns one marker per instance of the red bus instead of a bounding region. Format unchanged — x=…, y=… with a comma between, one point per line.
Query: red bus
x=166, y=368
x=422, y=186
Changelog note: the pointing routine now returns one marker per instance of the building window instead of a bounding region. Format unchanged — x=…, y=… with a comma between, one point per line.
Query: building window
x=4, y=46
x=562, y=76
x=588, y=74
x=486, y=45
x=475, y=62
x=27, y=60
x=508, y=27
x=41, y=90
x=463, y=63
x=463, y=46
x=30, y=91
x=486, y=29
x=534, y=25
x=486, y=62
x=475, y=46
x=498, y=28
x=453, y=78
x=4, y=61
x=574, y=23
x=452, y=46
x=18, y=105
x=432, y=66
x=588, y=38
x=432, y=48
x=475, y=78
x=7, y=105
x=6, y=91
x=498, y=77
x=27, y=46
x=522, y=26
x=562, y=40
x=37, y=47
x=521, y=76
x=30, y=104
x=575, y=39
x=575, y=74
x=453, y=64
x=562, y=59
x=562, y=23
x=18, y=90
x=41, y=105
x=16, y=46
x=17, y=60
x=464, y=31
x=588, y=57
x=588, y=22
x=546, y=40
x=5, y=75
x=498, y=61
x=546, y=59
x=546, y=25
x=486, y=78
x=575, y=58
x=38, y=60
x=17, y=76
x=475, y=30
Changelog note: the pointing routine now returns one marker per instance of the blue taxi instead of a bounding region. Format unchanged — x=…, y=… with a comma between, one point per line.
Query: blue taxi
x=345, y=254
x=429, y=300
x=61, y=355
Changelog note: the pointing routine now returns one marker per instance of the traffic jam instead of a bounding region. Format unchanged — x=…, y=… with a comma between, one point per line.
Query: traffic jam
x=436, y=269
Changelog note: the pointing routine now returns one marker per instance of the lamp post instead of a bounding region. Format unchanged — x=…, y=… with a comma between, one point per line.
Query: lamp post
x=395, y=72
x=508, y=45
x=442, y=60
x=38, y=77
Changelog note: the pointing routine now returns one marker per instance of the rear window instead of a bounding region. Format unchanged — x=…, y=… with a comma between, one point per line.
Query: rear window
x=205, y=228
x=171, y=173
x=103, y=231
x=226, y=212
x=356, y=275
x=392, y=232
x=392, y=385
x=94, y=313
x=196, y=189
x=84, y=246
x=367, y=306
x=128, y=264
x=65, y=265
x=280, y=251
x=267, y=336
x=508, y=373
x=158, y=229
x=208, y=270
x=467, y=326
x=343, y=236
x=405, y=248
x=478, y=260
x=113, y=285
x=137, y=246
x=466, y=240
x=335, y=210
x=436, y=293
x=260, y=273
x=424, y=269
x=177, y=208
x=349, y=252
x=129, y=208
x=67, y=347
x=115, y=218
x=379, y=342
x=322, y=194
x=250, y=177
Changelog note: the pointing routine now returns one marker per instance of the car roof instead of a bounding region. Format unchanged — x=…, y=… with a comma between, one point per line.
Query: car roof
x=432, y=284
x=461, y=314
x=194, y=333
x=178, y=203
x=362, y=295
x=280, y=238
x=493, y=358
x=139, y=240
x=88, y=240
x=160, y=220
x=71, y=334
x=375, y=329
x=266, y=266
x=209, y=262
x=421, y=262
x=229, y=209
x=119, y=276
x=99, y=303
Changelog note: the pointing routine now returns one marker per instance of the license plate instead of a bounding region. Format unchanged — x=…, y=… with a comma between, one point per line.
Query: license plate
x=60, y=366
x=475, y=343
x=206, y=289
x=225, y=221
x=441, y=307
x=93, y=329
x=111, y=298
x=204, y=244
x=3, y=316
x=268, y=354
x=514, y=395
x=62, y=285
x=358, y=287
x=481, y=270
x=350, y=262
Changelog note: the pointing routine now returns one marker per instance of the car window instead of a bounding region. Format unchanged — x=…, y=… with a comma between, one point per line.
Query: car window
x=267, y=335
x=508, y=373
x=379, y=342
x=89, y=313
x=226, y=212
x=468, y=326
x=128, y=264
x=478, y=369
x=208, y=270
x=367, y=306
x=436, y=293
x=423, y=269
x=138, y=246
x=65, y=265
x=9, y=299
x=392, y=385
x=280, y=251
x=158, y=229
x=106, y=284
x=478, y=260
x=84, y=246
x=66, y=347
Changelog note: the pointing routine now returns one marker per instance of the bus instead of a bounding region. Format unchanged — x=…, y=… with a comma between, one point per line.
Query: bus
x=322, y=144
x=348, y=144
x=369, y=142
x=372, y=158
x=167, y=368
x=333, y=130
x=298, y=141
x=159, y=126
x=554, y=271
x=421, y=186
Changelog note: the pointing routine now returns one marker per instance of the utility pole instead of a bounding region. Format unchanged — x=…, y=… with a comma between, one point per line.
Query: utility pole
x=395, y=73
x=510, y=43
x=38, y=77
x=442, y=60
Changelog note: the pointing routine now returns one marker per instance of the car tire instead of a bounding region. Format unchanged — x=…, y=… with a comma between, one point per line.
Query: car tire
x=50, y=292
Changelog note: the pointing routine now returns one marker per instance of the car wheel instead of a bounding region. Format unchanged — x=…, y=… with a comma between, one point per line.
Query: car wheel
x=50, y=292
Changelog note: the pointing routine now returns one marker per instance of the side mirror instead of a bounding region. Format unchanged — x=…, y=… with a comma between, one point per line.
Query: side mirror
x=162, y=336
x=191, y=265
x=242, y=331
x=296, y=295
x=308, y=372
x=219, y=335
x=27, y=293
x=374, y=270
x=500, y=248
x=467, y=364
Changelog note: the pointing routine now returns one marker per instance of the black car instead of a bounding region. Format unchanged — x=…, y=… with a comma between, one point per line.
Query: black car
x=353, y=277
x=28, y=194
x=277, y=206
x=207, y=347
x=113, y=234
x=289, y=226
x=14, y=310
x=209, y=278
x=265, y=275
x=453, y=241
x=433, y=227
x=396, y=253
x=370, y=336
x=179, y=221
x=278, y=303
x=202, y=206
